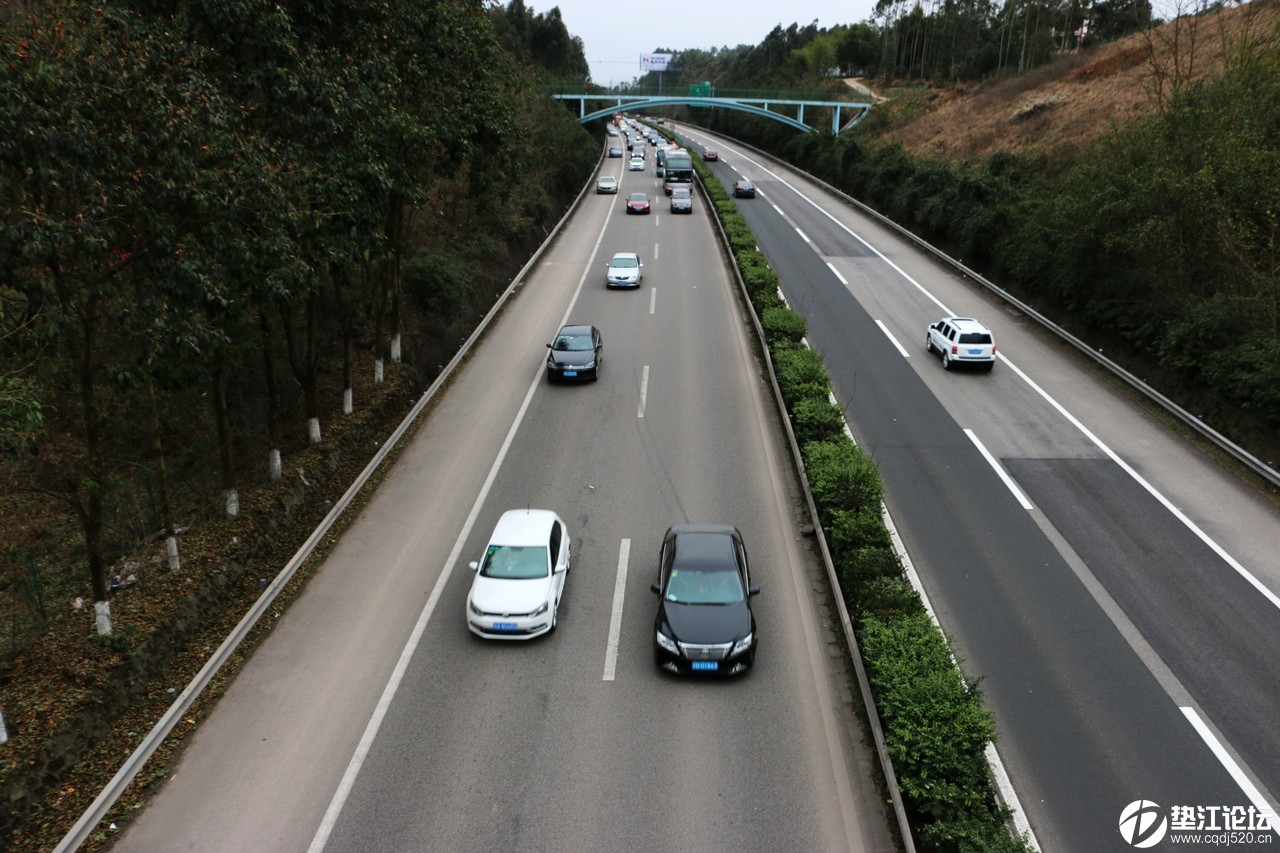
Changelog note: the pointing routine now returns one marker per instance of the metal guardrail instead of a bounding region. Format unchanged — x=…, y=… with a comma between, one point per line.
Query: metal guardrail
x=88, y=821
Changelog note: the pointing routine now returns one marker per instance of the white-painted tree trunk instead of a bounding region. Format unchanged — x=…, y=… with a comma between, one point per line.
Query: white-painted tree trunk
x=273, y=464
x=4, y=733
x=102, y=617
x=313, y=430
x=346, y=401
x=171, y=544
x=379, y=371
x=232, y=503
x=395, y=348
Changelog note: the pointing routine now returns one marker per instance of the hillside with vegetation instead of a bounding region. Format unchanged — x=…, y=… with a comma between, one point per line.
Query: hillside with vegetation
x=236, y=242
x=1126, y=187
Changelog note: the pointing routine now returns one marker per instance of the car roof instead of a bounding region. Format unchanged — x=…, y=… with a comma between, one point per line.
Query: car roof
x=966, y=323
x=523, y=527
x=704, y=545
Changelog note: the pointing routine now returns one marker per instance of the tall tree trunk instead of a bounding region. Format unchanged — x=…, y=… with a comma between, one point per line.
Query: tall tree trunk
x=88, y=503
x=222, y=418
x=274, y=468
x=162, y=482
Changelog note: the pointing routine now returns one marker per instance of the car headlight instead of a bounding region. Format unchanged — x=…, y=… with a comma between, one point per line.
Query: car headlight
x=590, y=365
x=742, y=645
x=667, y=643
x=471, y=605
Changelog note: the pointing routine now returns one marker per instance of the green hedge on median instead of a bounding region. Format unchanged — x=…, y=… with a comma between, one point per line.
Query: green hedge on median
x=935, y=725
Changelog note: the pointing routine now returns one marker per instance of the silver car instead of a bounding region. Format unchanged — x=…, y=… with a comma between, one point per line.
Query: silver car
x=624, y=270
x=681, y=200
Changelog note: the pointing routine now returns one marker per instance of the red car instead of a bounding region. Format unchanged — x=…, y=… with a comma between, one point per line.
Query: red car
x=638, y=203
x=744, y=189
x=711, y=155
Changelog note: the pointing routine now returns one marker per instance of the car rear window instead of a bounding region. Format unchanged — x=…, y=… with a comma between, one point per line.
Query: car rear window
x=975, y=338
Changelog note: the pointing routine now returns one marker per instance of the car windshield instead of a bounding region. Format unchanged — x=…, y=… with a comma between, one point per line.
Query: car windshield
x=609, y=180
x=625, y=262
x=679, y=193
x=638, y=197
x=573, y=343
x=687, y=586
x=513, y=562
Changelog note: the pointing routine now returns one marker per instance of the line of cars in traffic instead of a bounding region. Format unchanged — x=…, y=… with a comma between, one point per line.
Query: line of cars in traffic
x=703, y=624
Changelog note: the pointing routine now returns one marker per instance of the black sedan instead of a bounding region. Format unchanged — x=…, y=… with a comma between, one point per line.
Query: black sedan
x=744, y=189
x=575, y=354
x=704, y=623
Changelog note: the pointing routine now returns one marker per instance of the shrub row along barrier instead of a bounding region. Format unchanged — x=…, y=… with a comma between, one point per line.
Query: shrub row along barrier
x=936, y=727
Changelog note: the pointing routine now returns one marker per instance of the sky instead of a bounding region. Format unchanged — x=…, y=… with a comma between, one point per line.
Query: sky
x=614, y=34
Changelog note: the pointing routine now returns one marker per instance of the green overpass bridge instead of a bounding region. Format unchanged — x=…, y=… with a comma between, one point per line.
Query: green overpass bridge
x=788, y=109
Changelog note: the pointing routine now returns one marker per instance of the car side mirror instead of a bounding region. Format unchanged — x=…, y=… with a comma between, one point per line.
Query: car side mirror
x=559, y=570
x=548, y=346
x=474, y=565
x=753, y=590
x=655, y=589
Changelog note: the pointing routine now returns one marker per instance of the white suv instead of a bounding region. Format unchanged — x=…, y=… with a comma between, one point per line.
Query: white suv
x=962, y=340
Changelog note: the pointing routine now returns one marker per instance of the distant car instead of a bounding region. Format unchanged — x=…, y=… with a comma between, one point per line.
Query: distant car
x=638, y=203
x=636, y=164
x=961, y=340
x=704, y=622
x=613, y=131
x=711, y=155
x=607, y=184
x=575, y=354
x=624, y=270
x=631, y=144
x=744, y=189
x=516, y=591
x=681, y=200
x=615, y=150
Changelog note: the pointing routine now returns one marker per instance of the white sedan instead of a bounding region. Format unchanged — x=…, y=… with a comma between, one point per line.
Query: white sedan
x=636, y=164
x=516, y=591
x=624, y=270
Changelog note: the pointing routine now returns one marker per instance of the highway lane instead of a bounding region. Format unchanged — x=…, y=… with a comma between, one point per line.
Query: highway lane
x=556, y=742
x=1096, y=615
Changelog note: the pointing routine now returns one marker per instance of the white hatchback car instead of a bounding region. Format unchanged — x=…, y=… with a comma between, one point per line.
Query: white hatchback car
x=961, y=340
x=624, y=270
x=516, y=591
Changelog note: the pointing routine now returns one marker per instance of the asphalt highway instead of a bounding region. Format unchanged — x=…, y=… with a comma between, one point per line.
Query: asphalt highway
x=371, y=719
x=1113, y=587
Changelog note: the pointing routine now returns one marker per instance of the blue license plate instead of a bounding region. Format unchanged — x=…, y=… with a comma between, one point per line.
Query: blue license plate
x=504, y=626
x=975, y=352
x=705, y=665
x=571, y=373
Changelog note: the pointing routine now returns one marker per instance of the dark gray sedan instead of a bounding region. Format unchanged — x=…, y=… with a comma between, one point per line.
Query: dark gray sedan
x=575, y=354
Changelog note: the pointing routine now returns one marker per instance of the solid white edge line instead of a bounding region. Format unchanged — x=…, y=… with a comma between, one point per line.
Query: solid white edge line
x=836, y=273
x=644, y=390
x=615, y=617
x=999, y=469
x=999, y=773
x=331, y=814
x=888, y=334
x=1246, y=784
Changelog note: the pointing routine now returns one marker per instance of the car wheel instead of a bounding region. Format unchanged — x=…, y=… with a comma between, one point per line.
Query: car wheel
x=987, y=367
x=928, y=344
x=946, y=361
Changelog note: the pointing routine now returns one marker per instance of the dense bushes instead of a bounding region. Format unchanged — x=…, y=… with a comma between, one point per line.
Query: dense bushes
x=935, y=725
